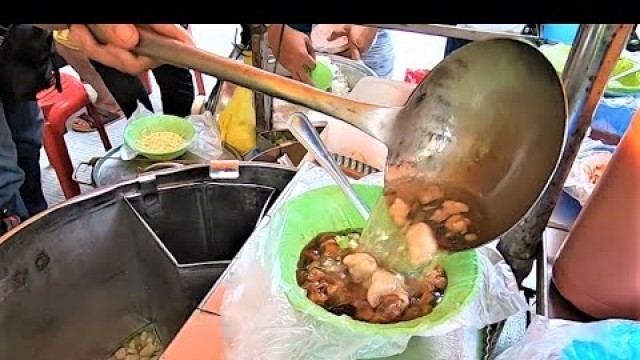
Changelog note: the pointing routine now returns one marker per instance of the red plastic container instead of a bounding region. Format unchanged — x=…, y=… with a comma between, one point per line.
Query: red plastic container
x=415, y=76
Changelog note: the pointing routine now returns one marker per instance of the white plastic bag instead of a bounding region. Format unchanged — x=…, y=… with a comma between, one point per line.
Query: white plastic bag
x=553, y=339
x=259, y=322
x=206, y=145
x=592, y=158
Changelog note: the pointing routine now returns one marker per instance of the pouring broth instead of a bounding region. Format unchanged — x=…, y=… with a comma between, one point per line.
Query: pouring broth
x=416, y=221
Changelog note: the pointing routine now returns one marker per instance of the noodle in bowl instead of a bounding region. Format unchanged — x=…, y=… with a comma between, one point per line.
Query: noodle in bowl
x=160, y=137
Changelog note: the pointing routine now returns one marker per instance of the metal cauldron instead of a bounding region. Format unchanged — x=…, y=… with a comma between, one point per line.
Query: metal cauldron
x=82, y=276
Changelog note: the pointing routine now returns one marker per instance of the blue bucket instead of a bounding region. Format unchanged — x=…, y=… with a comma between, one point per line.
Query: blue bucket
x=562, y=33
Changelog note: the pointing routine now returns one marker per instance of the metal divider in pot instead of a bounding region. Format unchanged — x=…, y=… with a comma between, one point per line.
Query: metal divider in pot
x=203, y=225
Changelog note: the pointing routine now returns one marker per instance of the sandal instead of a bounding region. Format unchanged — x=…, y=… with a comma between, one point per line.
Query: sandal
x=84, y=123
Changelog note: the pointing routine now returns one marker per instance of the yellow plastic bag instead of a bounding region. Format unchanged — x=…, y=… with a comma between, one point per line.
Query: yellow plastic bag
x=238, y=120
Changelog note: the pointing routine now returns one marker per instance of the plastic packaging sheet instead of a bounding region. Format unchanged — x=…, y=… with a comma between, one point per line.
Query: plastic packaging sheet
x=613, y=115
x=593, y=157
x=267, y=316
x=206, y=145
x=552, y=339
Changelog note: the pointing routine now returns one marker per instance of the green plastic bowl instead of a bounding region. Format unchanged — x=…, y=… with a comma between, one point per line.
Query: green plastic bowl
x=327, y=209
x=156, y=123
x=322, y=76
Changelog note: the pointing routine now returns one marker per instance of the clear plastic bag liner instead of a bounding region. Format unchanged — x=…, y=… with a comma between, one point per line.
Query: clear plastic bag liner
x=208, y=142
x=591, y=154
x=206, y=145
x=267, y=316
x=548, y=339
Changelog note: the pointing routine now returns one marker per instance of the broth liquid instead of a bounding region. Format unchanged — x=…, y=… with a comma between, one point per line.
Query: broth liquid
x=386, y=240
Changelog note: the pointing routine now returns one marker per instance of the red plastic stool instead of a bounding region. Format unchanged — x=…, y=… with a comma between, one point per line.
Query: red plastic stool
x=57, y=107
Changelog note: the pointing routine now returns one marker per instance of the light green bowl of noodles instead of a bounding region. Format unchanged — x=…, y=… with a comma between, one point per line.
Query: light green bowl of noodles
x=160, y=137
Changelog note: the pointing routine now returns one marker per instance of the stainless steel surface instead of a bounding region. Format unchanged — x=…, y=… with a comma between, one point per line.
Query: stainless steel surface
x=293, y=150
x=296, y=152
x=219, y=217
x=303, y=130
x=564, y=213
x=595, y=52
x=110, y=169
x=223, y=97
x=268, y=100
x=214, y=97
x=81, y=280
x=262, y=105
x=454, y=32
x=489, y=118
x=82, y=276
x=269, y=139
x=352, y=70
x=550, y=302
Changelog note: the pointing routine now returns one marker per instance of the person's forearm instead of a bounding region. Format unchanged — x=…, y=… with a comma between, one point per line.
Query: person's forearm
x=273, y=35
x=362, y=36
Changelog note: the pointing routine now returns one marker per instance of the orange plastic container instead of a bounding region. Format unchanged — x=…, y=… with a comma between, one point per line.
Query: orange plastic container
x=598, y=267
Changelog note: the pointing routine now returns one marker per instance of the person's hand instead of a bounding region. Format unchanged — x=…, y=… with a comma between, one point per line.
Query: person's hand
x=296, y=51
x=360, y=39
x=352, y=52
x=120, y=40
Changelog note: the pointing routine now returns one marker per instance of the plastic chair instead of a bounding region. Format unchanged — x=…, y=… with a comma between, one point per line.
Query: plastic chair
x=57, y=108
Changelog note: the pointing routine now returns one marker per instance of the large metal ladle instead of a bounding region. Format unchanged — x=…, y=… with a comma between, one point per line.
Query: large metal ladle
x=489, y=118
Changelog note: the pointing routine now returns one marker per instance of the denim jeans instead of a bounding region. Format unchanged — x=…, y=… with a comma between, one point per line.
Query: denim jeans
x=20, y=142
x=380, y=57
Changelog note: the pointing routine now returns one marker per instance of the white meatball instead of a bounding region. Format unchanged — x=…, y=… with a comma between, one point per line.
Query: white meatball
x=385, y=283
x=421, y=243
x=361, y=266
